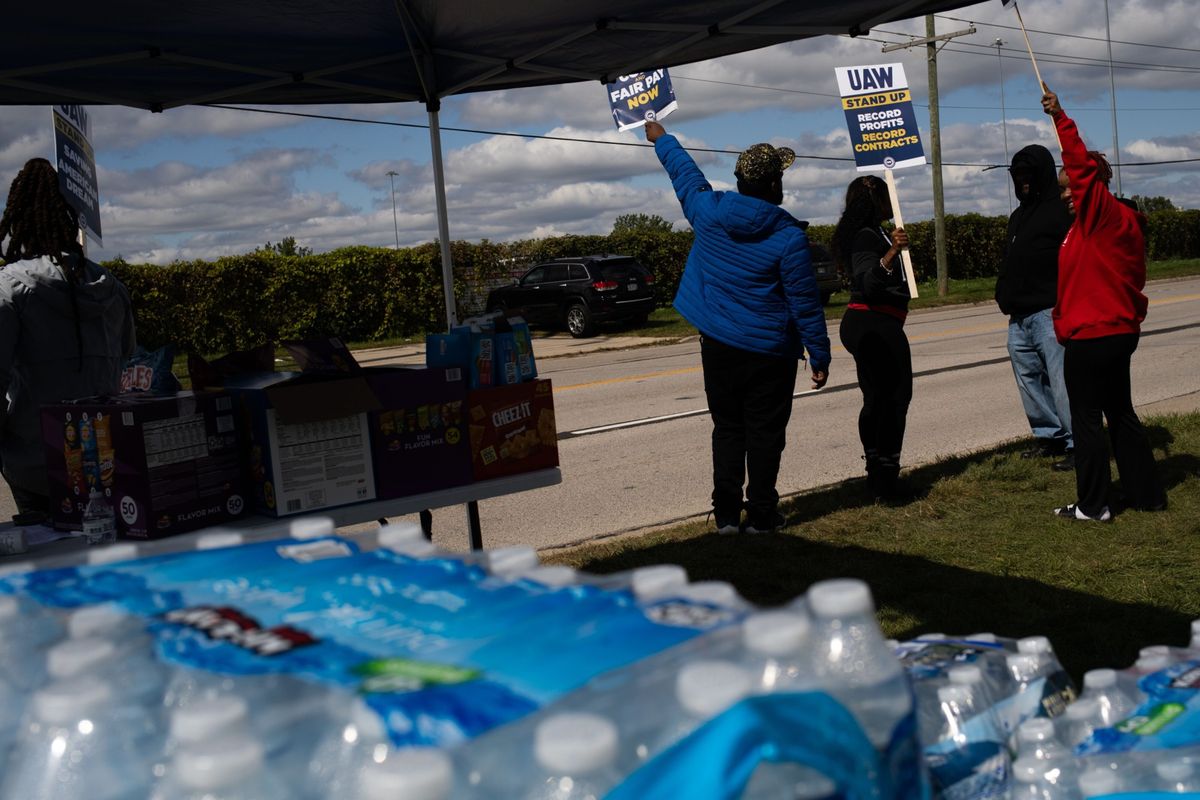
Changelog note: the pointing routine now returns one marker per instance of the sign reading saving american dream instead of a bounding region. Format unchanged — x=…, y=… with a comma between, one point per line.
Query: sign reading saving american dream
x=639, y=97
x=879, y=113
x=77, y=165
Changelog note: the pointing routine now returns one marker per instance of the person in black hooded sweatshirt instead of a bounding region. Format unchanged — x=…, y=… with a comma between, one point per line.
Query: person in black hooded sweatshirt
x=1026, y=291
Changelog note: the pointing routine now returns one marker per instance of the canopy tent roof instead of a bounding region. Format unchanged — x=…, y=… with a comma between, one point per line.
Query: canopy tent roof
x=156, y=55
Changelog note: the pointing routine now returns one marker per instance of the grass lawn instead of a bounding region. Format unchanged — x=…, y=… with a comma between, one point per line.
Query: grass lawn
x=978, y=551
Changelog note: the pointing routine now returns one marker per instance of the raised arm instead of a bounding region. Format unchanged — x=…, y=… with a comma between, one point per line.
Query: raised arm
x=1089, y=187
x=691, y=187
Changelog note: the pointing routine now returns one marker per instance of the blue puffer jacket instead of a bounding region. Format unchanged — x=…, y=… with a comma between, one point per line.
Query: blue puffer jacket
x=749, y=281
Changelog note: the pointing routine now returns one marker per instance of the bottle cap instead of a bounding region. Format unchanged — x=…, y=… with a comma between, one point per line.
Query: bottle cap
x=76, y=657
x=706, y=688
x=982, y=637
x=508, y=560
x=775, y=633
x=410, y=773
x=840, y=598
x=1154, y=650
x=954, y=693
x=1034, y=645
x=1028, y=770
x=421, y=549
x=1099, y=781
x=113, y=553
x=718, y=593
x=212, y=717
x=219, y=763
x=307, y=528
x=1195, y=629
x=1035, y=731
x=555, y=575
x=1152, y=663
x=1175, y=769
x=94, y=620
x=1021, y=665
x=216, y=540
x=64, y=702
x=398, y=533
x=965, y=675
x=1099, y=679
x=1082, y=709
x=575, y=743
x=655, y=581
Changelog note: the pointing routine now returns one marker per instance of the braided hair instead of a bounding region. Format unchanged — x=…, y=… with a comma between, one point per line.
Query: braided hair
x=1103, y=169
x=38, y=221
x=866, y=204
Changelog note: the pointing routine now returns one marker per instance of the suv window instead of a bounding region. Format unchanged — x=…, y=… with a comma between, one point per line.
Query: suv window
x=620, y=270
x=579, y=272
x=535, y=275
x=556, y=273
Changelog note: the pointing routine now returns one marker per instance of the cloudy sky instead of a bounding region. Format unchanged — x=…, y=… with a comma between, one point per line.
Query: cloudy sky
x=202, y=182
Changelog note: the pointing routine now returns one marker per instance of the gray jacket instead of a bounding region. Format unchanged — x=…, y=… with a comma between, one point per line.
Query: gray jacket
x=40, y=359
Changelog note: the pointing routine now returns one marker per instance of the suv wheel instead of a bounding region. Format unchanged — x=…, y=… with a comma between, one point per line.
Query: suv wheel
x=579, y=321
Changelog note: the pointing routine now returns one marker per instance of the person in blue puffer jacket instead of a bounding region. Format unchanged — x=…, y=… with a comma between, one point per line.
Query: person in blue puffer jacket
x=749, y=288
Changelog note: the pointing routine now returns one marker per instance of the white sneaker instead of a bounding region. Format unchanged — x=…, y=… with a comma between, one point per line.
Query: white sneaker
x=1072, y=511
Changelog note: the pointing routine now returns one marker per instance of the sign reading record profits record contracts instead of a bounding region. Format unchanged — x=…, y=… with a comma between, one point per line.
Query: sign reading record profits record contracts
x=879, y=113
x=639, y=97
x=77, y=166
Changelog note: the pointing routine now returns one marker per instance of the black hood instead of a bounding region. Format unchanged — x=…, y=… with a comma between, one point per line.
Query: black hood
x=1038, y=161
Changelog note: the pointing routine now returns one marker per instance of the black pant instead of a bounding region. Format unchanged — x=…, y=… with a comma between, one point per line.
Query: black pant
x=1097, y=375
x=884, y=365
x=750, y=399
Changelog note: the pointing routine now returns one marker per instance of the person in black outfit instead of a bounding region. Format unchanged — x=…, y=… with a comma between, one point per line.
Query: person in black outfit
x=872, y=329
x=1026, y=291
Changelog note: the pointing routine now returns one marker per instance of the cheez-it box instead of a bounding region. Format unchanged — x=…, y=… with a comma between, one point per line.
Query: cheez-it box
x=511, y=429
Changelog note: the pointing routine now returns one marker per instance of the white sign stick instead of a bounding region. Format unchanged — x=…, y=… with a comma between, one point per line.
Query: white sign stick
x=1037, y=72
x=905, y=258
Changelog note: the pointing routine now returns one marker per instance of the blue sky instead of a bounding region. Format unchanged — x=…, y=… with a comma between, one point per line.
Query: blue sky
x=202, y=182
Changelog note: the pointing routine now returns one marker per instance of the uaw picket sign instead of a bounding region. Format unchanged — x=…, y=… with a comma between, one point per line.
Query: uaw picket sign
x=639, y=97
x=880, y=116
x=77, y=166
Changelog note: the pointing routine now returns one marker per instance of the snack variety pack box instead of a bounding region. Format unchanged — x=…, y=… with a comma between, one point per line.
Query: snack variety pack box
x=511, y=429
x=419, y=439
x=309, y=441
x=168, y=464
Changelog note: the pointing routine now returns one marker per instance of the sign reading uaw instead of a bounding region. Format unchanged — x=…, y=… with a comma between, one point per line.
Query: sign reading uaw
x=77, y=165
x=639, y=97
x=879, y=113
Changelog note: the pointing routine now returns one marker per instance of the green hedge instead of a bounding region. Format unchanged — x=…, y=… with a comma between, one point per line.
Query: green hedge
x=365, y=294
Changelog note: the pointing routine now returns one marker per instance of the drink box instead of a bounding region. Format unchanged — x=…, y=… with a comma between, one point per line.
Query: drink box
x=511, y=429
x=309, y=443
x=419, y=438
x=167, y=464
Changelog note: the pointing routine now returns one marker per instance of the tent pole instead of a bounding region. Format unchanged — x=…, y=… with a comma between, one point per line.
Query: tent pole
x=439, y=184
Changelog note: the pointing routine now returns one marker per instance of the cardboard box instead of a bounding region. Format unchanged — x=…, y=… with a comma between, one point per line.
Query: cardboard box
x=168, y=464
x=419, y=438
x=309, y=440
x=511, y=429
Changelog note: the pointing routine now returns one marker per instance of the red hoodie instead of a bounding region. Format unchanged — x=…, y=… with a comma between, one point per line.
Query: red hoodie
x=1102, y=262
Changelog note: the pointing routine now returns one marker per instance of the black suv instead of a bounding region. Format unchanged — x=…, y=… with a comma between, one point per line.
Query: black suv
x=579, y=293
x=828, y=280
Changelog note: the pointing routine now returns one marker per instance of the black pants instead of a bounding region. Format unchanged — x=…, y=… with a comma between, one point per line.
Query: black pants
x=750, y=399
x=884, y=365
x=1097, y=375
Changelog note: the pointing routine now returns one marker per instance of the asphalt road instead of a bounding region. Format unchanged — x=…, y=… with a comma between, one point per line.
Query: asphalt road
x=634, y=431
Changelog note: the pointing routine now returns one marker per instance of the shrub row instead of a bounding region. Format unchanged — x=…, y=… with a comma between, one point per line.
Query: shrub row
x=365, y=294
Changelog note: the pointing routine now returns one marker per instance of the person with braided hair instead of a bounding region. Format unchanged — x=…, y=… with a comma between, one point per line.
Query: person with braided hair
x=66, y=326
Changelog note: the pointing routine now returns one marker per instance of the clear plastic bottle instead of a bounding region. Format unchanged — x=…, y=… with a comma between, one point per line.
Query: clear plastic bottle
x=775, y=643
x=99, y=520
x=129, y=665
x=1102, y=685
x=26, y=630
x=1034, y=780
x=346, y=751
x=79, y=742
x=1099, y=781
x=209, y=719
x=973, y=679
x=1037, y=739
x=1178, y=774
x=1079, y=720
x=105, y=621
x=576, y=753
x=1194, y=644
x=703, y=689
x=851, y=660
x=229, y=768
x=412, y=773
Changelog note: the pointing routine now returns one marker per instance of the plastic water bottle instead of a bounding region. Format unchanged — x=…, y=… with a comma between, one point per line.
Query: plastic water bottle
x=79, y=742
x=26, y=630
x=1102, y=686
x=1178, y=775
x=413, y=773
x=1079, y=720
x=113, y=553
x=305, y=528
x=1099, y=781
x=99, y=519
x=206, y=720
x=219, y=538
x=1037, y=739
x=575, y=753
x=12, y=706
x=345, y=752
x=775, y=645
x=130, y=667
x=972, y=678
x=703, y=689
x=1030, y=782
x=852, y=661
x=230, y=768
x=105, y=621
x=1194, y=644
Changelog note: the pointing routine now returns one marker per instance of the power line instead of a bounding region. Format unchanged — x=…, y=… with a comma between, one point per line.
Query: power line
x=581, y=140
x=1071, y=35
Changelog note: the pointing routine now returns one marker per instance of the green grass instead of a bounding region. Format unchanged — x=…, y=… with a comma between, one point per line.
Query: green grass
x=978, y=551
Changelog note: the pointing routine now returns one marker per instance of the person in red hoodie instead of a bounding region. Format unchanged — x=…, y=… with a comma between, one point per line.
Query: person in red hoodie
x=1098, y=318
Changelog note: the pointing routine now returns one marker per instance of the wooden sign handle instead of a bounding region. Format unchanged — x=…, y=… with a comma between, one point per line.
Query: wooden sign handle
x=905, y=257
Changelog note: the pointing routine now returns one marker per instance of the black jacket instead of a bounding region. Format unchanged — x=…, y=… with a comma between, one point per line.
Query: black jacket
x=871, y=284
x=1028, y=279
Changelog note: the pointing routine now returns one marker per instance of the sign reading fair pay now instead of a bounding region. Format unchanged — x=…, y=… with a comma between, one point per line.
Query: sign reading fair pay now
x=880, y=116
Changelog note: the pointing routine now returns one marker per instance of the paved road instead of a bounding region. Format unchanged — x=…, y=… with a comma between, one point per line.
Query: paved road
x=634, y=432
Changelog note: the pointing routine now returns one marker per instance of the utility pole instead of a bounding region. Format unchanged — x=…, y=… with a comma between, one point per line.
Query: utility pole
x=395, y=224
x=935, y=143
x=1003, y=112
x=1112, y=83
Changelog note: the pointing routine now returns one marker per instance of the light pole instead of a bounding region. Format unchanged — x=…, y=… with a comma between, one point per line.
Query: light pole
x=1112, y=83
x=1003, y=113
x=395, y=224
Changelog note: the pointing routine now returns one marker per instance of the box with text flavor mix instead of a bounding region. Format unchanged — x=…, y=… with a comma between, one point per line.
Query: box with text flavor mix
x=167, y=463
x=419, y=437
x=309, y=445
x=511, y=429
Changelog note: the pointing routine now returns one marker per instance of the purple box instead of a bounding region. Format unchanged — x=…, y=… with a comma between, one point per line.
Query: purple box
x=168, y=464
x=418, y=439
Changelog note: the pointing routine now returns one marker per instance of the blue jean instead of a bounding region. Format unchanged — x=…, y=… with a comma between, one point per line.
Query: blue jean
x=1037, y=362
